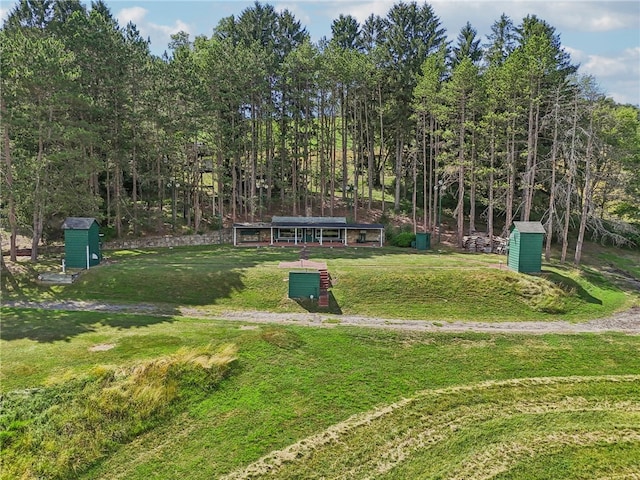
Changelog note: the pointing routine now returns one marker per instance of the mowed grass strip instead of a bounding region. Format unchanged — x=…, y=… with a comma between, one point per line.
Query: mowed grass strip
x=379, y=282
x=473, y=432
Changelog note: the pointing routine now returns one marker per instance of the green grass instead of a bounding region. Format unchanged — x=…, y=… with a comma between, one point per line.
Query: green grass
x=368, y=402
x=59, y=430
x=382, y=282
x=291, y=383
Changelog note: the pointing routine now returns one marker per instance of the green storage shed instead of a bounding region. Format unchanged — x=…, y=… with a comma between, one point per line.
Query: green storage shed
x=81, y=242
x=525, y=247
x=304, y=284
x=423, y=241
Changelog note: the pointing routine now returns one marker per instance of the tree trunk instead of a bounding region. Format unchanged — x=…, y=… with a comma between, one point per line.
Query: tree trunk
x=460, y=206
x=426, y=180
x=511, y=179
x=572, y=166
x=527, y=194
x=38, y=201
x=586, y=194
x=343, y=115
x=9, y=193
x=492, y=162
x=552, y=190
x=382, y=159
x=472, y=192
x=399, y=148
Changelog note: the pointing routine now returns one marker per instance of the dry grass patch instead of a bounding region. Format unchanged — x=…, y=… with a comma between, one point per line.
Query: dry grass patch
x=58, y=431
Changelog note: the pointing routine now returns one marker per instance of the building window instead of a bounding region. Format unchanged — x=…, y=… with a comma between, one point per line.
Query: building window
x=331, y=233
x=286, y=233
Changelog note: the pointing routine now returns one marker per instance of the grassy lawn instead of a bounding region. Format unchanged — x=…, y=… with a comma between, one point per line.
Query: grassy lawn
x=382, y=282
x=113, y=395
x=442, y=404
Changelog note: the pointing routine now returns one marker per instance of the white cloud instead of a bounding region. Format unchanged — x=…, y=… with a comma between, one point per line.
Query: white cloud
x=590, y=16
x=620, y=72
x=624, y=64
x=296, y=10
x=4, y=13
x=578, y=15
x=158, y=33
x=362, y=10
x=133, y=14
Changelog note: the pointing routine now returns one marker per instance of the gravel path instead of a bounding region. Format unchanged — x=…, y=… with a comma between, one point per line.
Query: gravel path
x=625, y=322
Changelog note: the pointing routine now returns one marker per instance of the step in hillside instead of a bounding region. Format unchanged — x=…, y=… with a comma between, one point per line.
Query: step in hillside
x=323, y=300
x=325, y=280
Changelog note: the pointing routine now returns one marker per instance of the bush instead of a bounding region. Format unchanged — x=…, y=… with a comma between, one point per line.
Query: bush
x=403, y=239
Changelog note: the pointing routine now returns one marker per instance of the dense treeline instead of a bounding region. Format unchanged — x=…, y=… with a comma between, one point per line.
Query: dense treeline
x=257, y=118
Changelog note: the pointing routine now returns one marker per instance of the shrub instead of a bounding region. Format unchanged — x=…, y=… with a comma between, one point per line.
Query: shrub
x=403, y=239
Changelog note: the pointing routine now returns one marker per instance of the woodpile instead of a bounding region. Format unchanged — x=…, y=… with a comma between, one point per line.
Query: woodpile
x=481, y=243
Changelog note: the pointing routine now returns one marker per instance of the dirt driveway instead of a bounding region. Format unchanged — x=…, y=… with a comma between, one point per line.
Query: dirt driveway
x=624, y=322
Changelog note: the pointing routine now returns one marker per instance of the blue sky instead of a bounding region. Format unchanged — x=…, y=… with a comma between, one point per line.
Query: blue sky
x=603, y=36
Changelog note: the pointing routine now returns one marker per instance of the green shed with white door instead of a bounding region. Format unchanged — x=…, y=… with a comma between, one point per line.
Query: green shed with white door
x=81, y=242
x=525, y=247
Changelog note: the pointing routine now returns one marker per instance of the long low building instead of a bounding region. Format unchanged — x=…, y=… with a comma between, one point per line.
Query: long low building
x=308, y=230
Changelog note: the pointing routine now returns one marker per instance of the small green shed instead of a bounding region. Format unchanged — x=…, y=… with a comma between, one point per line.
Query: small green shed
x=525, y=247
x=423, y=241
x=81, y=242
x=304, y=284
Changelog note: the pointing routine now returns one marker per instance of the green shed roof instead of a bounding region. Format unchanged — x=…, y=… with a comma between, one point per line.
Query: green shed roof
x=528, y=227
x=78, y=223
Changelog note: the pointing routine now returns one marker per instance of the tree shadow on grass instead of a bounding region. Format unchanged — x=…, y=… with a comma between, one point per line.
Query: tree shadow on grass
x=47, y=326
x=570, y=285
x=312, y=306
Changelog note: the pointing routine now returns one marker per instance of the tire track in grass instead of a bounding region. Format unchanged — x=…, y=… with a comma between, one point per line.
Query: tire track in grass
x=423, y=428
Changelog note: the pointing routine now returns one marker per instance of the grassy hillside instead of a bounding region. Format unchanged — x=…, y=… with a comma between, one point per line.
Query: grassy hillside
x=445, y=404
x=382, y=282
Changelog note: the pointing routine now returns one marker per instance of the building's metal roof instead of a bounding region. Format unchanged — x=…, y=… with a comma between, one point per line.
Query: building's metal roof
x=365, y=226
x=308, y=221
x=529, y=227
x=78, y=223
x=252, y=225
x=311, y=222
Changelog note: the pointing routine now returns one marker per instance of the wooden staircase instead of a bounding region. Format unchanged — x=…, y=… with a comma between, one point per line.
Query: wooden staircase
x=325, y=284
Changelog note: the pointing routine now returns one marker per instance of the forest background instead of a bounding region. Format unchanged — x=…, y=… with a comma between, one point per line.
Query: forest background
x=386, y=116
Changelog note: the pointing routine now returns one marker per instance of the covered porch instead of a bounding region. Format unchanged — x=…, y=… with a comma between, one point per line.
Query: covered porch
x=320, y=231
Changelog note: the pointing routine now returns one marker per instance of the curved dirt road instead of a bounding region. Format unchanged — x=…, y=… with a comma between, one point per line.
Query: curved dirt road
x=624, y=322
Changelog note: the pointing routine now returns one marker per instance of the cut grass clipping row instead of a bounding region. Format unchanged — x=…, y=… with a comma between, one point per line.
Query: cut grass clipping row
x=504, y=429
x=58, y=431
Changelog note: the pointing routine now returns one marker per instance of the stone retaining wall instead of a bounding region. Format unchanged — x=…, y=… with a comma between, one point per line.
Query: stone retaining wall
x=210, y=238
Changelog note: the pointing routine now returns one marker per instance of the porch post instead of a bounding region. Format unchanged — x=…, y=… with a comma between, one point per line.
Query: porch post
x=381, y=235
x=271, y=229
x=295, y=235
x=321, y=237
x=235, y=230
x=345, y=236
